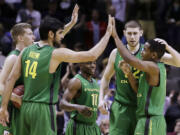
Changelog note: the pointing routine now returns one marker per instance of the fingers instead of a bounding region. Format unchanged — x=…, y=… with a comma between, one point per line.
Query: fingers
x=76, y=8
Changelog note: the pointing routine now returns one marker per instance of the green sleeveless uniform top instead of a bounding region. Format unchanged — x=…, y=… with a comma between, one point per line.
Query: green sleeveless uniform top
x=89, y=97
x=40, y=85
x=150, y=100
x=124, y=93
x=16, y=52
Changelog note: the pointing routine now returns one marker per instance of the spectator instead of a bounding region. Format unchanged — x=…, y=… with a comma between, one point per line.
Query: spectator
x=173, y=113
x=104, y=127
x=29, y=15
x=176, y=129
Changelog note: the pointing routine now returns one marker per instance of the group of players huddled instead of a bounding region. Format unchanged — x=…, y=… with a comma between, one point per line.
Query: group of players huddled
x=140, y=82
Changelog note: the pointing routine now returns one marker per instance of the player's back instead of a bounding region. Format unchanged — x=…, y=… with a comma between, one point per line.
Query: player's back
x=151, y=101
x=40, y=85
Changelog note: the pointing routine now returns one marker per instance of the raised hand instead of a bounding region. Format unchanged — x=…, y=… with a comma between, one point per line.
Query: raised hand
x=74, y=17
x=161, y=41
x=84, y=110
x=109, y=27
x=114, y=32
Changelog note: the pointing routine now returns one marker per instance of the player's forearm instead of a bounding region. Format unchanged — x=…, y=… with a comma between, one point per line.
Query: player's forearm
x=123, y=51
x=7, y=92
x=65, y=105
x=175, y=55
x=98, y=49
x=68, y=27
x=133, y=82
x=104, y=86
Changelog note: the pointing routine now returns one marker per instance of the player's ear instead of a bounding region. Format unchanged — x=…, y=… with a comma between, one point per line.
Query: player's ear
x=124, y=32
x=154, y=55
x=141, y=32
x=51, y=34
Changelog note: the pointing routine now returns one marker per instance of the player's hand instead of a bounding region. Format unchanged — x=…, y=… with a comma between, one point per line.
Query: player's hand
x=103, y=107
x=74, y=17
x=161, y=41
x=109, y=27
x=114, y=32
x=84, y=110
x=125, y=67
x=4, y=117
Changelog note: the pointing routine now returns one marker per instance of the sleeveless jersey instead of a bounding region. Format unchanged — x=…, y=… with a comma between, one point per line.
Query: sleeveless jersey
x=151, y=101
x=40, y=85
x=124, y=93
x=89, y=97
x=16, y=52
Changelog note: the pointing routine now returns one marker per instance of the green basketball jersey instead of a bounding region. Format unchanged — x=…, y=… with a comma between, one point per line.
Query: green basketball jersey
x=151, y=101
x=124, y=92
x=89, y=97
x=16, y=52
x=40, y=85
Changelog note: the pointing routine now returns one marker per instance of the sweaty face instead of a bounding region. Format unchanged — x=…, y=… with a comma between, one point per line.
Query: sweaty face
x=28, y=37
x=58, y=37
x=146, y=52
x=132, y=36
x=88, y=68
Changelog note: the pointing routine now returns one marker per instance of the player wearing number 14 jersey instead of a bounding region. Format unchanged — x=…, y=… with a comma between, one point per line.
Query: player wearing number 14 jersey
x=81, y=98
x=39, y=65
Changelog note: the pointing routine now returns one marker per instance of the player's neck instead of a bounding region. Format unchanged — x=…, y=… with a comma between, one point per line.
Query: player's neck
x=45, y=42
x=133, y=50
x=87, y=77
x=19, y=47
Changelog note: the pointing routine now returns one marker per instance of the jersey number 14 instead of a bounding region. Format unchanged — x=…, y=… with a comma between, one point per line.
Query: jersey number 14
x=31, y=68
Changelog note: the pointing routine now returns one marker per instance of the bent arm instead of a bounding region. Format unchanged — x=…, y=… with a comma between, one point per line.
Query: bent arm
x=73, y=87
x=171, y=59
x=145, y=66
x=10, y=82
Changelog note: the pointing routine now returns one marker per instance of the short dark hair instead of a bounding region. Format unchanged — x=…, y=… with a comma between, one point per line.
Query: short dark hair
x=133, y=24
x=19, y=29
x=157, y=47
x=49, y=24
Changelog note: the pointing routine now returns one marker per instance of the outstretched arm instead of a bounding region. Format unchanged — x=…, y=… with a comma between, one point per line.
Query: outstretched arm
x=73, y=21
x=66, y=55
x=173, y=58
x=73, y=87
x=109, y=71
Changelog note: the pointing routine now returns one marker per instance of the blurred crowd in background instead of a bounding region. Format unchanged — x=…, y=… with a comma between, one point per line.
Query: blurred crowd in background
x=159, y=18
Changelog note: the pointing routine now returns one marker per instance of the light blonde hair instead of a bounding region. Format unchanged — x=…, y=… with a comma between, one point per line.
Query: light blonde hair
x=19, y=29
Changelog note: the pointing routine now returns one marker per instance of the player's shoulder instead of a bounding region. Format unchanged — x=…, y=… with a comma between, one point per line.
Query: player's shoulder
x=11, y=58
x=113, y=54
x=75, y=83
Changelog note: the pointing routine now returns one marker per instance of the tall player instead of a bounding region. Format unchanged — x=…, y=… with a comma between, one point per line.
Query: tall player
x=39, y=65
x=122, y=113
x=22, y=36
x=81, y=98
